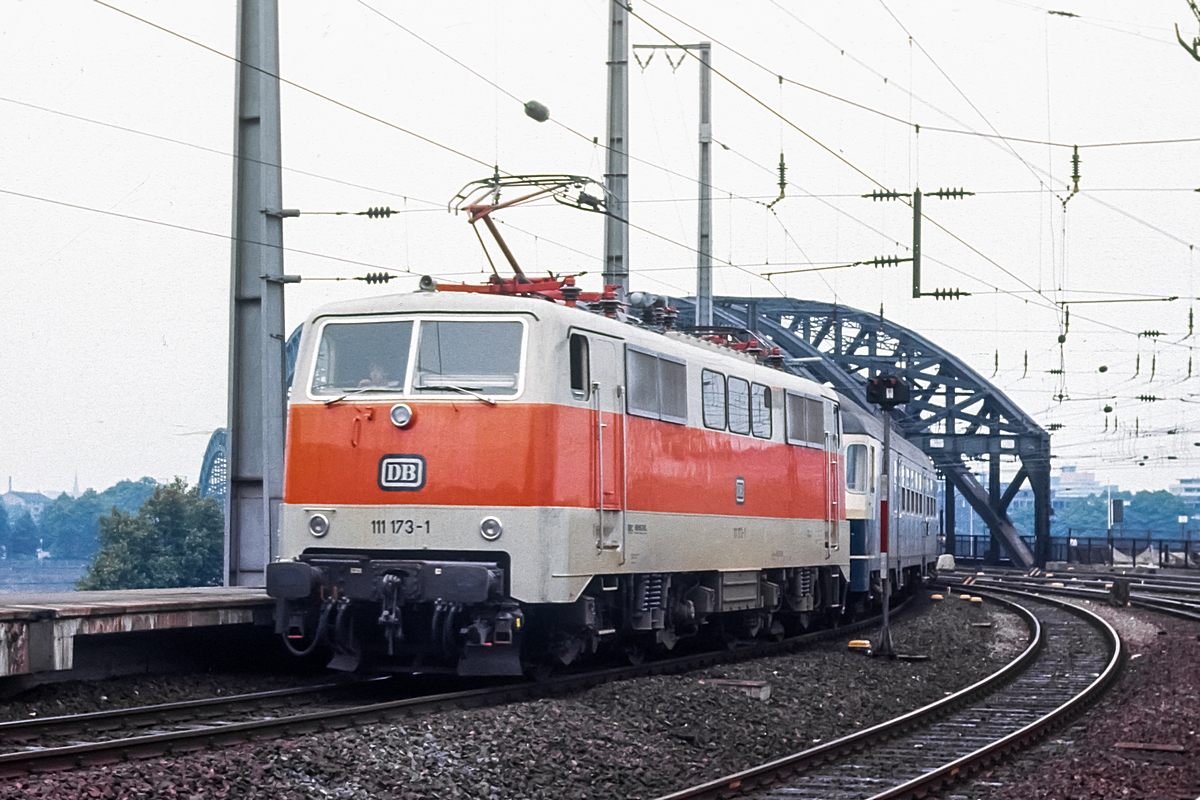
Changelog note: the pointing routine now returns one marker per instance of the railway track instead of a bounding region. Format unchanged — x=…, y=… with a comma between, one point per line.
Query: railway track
x=53, y=744
x=1166, y=598
x=1073, y=656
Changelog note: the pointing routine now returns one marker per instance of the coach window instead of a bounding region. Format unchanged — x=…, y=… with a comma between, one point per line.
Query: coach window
x=856, y=468
x=657, y=386
x=760, y=411
x=712, y=398
x=739, y=405
x=580, y=378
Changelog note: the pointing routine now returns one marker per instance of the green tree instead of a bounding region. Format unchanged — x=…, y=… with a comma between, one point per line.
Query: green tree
x=175, y=539
x=128, y=495
x=23, y=536
x=1157, y=512
x=69, y=524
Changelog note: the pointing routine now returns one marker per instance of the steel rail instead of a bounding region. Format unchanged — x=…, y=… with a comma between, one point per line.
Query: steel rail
x=1163, y=605
x=46, y=759
x=158, y=713
x=762, y=778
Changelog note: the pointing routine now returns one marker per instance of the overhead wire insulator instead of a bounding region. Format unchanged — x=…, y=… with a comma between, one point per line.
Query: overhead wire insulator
x=879, y=194
x=1149, y=398
x=1150, y=335
x=886, y=261
x=951, y=194
x=376, y=277
x=1055, y=426
x=1056, y=371
x=1075, y=169
x=376, y=213
x=782, y=181
x=946, y=294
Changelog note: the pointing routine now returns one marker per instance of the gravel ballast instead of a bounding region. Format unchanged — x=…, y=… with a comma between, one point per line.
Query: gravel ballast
x=1155, y=702
x=633, y=739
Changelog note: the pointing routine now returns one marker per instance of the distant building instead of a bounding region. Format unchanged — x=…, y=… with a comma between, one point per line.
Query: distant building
x=1187, y=489
x=1071, y=484
x=16, y=503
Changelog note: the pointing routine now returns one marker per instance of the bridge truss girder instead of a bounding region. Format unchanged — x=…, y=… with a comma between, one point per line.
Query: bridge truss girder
x=955, y=414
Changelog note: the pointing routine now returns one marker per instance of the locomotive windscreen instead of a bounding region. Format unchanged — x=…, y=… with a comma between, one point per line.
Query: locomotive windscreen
x=482, y=356
x=358, y=355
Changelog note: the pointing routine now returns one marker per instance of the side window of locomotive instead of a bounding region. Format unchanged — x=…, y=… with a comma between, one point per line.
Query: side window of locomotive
x=814, y=417
x=657, y=386
x=760, y=411
x=480, y=356
x=739, y=405
x=712, y=399
x=643, y=383
x=580, y=372
x=794, y=418
x=856, y=468
x=672, y=390
x=362, y=355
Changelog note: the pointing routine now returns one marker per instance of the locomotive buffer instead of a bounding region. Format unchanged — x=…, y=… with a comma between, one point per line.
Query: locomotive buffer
x=887, y=392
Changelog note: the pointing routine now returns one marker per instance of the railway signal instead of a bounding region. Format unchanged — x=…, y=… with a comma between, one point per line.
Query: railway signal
x=887, y=392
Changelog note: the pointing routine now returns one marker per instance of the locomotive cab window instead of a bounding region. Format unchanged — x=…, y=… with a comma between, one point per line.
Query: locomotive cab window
x=362, y=356
x=481, y=356
x=739, y=405
x=657, y=386
x=712, y=398
x=580, y=374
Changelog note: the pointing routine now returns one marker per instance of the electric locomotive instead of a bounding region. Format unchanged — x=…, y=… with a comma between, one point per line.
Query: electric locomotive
x=479, y=482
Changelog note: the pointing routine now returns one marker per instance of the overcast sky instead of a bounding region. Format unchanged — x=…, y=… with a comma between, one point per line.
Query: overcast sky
x=115, y=335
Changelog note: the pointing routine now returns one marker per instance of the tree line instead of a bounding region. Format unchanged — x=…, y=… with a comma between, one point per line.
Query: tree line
x=137, y=535
x=1146, y=513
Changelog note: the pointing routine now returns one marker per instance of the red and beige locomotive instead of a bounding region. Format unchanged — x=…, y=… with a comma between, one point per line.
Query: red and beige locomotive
x=480, y=482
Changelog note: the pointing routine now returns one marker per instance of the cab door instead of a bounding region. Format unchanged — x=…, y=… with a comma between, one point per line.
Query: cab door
x=608, y=402
x=833, y=478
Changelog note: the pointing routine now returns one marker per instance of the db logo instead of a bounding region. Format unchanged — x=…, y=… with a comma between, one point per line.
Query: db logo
x=401, y=473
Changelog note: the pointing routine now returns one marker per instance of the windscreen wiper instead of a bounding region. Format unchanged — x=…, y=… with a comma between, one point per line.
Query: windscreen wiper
x=460, y=390
x=362, y=390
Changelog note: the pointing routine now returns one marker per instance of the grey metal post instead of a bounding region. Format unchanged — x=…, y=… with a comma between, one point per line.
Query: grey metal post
x=256, y=336
x=616, y=174
x=885, y=647
x=951, y=536
x=916, y=244
x=993, y=556
x=704, y=309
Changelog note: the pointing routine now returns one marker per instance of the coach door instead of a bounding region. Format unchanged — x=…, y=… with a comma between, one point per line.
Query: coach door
x=608, y=398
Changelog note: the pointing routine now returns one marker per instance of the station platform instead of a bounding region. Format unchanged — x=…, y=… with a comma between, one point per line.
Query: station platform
x=39, y=633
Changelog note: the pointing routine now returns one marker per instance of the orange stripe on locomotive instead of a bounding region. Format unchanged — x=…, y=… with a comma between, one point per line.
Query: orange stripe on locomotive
x=534, y=454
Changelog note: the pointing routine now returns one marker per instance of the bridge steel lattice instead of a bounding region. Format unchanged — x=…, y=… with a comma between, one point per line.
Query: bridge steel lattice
x=955, y=414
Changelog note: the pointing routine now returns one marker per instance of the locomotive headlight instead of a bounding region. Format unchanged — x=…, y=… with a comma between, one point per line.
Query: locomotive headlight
x=318, y=525
x=401, y=415
x=490, y=529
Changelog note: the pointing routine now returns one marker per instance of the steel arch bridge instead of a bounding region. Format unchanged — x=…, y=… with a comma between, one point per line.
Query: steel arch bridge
x=955, y=414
